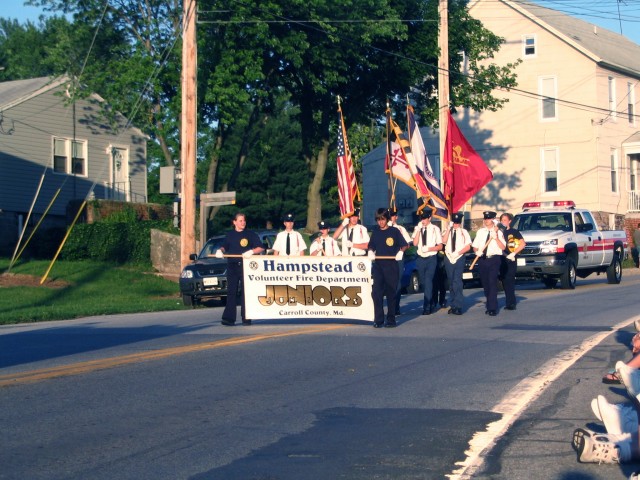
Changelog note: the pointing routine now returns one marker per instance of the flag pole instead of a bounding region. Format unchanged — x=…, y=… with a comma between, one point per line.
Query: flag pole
x=391, y=190
x=443, y=85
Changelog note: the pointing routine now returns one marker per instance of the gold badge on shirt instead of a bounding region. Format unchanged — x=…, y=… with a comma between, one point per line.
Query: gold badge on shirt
x=244, y=242
x=389, y=242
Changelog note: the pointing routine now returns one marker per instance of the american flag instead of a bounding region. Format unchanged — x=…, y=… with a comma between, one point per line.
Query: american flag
x=347, y=185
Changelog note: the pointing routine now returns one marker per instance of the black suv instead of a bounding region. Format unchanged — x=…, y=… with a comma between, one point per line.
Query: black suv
x=207, y=275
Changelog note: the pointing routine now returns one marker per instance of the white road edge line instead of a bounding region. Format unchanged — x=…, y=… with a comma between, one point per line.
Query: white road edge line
x=519, y=398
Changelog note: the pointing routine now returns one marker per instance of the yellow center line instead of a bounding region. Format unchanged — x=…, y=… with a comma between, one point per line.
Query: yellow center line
x=33, y=376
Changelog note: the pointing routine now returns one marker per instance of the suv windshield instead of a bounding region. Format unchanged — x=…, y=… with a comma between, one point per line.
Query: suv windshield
x=542, y=221
x=211, y=246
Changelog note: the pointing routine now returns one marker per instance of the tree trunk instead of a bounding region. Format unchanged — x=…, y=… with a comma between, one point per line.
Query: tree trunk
x=314, y=200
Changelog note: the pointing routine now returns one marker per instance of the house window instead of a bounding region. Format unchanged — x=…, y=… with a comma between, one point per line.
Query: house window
x=550, y=169
x=631, y=103
x=633, y=171
x=70, y=156
x=529, y=46
x=548, y=94
x=614, y=170
x=612, y=97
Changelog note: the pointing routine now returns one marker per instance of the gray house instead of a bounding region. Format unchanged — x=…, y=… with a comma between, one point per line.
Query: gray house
x=53, y=151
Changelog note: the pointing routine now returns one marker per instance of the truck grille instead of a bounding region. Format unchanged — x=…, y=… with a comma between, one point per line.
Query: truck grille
x=532, y=248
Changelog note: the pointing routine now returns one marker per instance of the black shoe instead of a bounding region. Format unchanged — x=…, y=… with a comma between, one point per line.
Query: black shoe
x=378, y=325
x=246, y=322
x=391, y=324
x=227, y=323
x=426, y=311
x=510, y=307
x=457, y=311
x=492, y=313
x=443, y=304
x=451, y=311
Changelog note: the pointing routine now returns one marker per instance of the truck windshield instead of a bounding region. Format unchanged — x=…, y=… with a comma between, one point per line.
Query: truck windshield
x=542, y=221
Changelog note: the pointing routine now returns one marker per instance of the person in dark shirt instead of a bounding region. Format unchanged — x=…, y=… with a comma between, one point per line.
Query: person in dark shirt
x=238, y=243
x=385, y=248
x=514, y=245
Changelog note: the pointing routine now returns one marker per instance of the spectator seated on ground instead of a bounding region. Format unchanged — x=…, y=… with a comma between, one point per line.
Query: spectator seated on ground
x=612, y=377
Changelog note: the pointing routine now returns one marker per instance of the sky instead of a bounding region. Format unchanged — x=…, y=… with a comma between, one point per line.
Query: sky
x=614, y=15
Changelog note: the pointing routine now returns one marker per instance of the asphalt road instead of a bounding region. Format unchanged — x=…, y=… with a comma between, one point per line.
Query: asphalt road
x=176, y=395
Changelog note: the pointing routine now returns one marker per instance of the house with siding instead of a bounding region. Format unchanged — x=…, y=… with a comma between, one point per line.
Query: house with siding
x=569, y=130
x=54, y=150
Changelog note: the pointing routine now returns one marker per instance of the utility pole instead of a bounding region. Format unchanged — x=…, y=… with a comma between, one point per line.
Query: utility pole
x=443, y=82
x=188, y=126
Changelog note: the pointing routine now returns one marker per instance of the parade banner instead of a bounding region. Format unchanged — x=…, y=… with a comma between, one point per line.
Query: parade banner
x=307, y=287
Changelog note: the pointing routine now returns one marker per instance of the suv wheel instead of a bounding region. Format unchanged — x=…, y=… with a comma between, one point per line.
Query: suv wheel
x=614, y=271
x=414, y=283
x=568, y=277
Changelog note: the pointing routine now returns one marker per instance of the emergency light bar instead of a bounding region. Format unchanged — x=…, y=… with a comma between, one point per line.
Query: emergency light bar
x=550, y=204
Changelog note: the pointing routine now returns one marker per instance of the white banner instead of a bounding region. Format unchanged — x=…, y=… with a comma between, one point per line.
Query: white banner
x=307, y=287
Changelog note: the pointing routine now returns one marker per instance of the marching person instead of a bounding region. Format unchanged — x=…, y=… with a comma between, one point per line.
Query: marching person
x=393, y=222
x=428, y=239
x=324, y=245
x=514, y=245
x=457, y=243
x=238, y=241
x=385, y=241
x=354, y=236
x=488, y=246
x=289, y=243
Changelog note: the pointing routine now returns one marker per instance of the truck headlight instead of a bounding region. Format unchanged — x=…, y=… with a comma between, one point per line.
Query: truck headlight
x=186, y=274
x=549, y=246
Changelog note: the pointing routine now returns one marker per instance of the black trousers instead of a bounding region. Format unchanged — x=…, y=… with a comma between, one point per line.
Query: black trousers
x=385, y=282
x=489, y=268
x=234, y=283
x=508, y=276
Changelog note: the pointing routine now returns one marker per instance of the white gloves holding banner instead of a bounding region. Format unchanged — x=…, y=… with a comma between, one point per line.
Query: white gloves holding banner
x=479, y=253
x=348, y=244
x=345, y=222
x=399, y=255
x=371, y=254
x=219, y=254
x=512, y=256
x=247, y=254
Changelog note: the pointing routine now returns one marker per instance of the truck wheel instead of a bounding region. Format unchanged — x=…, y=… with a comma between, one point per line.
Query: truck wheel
x=568, y=277
x=187, y=300
x=550, y=282
x=414, y=283
x=614, y=271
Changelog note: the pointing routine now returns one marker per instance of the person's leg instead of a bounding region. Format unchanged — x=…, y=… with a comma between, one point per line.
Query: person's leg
x=429, y=269
x=399, y=287
x=377, y=294
x=391, y=281
x=493, y=273
x=509, y=283
x=457, y=286
x=234, y=276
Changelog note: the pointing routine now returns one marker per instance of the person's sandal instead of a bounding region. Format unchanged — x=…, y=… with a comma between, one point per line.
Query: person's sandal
x=611, y=378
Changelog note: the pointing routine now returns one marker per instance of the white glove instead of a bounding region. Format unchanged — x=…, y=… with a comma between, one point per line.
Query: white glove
x=512, y=256
x=349, y=244
x=478, y=253
x=219, y=254
x=247, y=254
x=371, y=254
x=493, y=234
x=399, y=256
x=345, y=222
x=425, y=249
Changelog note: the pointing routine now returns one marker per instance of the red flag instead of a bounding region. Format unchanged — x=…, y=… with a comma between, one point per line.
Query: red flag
x=465, y=173
x=347, y=185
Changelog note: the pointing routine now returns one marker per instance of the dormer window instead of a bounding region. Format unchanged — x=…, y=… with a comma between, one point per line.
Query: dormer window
x=529, y=46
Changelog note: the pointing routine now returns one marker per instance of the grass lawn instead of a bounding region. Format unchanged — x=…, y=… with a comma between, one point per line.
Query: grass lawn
x=80, y=288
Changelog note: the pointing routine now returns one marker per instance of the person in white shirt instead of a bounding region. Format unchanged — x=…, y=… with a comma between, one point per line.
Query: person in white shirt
x=428, y=240
x=355, y=238
x=457, y=243
x=289, y=243
x=393, y=214
x=488, y=245
x=324, y=245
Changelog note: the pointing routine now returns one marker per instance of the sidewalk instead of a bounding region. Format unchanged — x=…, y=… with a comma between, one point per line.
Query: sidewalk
x=538, y=445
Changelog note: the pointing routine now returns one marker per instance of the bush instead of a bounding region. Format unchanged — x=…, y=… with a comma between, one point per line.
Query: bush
x=117, y=242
